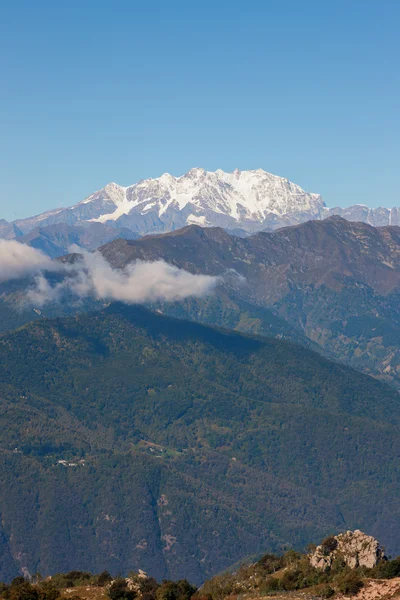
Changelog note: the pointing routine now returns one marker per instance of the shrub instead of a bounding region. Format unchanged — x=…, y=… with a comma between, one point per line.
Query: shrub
x=219, y=587
x=148, y=588
x=171, y=590
x=329, y=544
x=290, y=558
x=387, y=569
x=350, y=584
x=270, y=563
x=71, y=579
x=272, y=584
x=148, y=595
x=326, y=592
x=104, y=578
x=119, y=590
x=291, y=580
x=22, y=591
x=48, y=591
x=18, y=581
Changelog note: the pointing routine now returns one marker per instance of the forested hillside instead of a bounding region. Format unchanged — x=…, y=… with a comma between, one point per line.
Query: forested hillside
x=334, y=283
x=332, y=286
x=130, y=440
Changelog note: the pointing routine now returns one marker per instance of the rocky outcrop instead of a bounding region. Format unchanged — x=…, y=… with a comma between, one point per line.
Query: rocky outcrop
x=355, y=548
x=135, y=581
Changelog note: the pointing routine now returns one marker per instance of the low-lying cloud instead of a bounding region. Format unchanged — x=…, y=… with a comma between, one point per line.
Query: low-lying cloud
x=18, y=260
x=92, y=276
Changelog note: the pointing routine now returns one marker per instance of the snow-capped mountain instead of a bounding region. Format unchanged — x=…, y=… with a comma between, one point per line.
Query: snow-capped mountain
x=378, y=217
x=246, y=200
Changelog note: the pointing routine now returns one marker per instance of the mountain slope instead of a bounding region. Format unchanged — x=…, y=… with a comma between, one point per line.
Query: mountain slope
x=329, y=285
x=242, y=200
x=56, y=240
x=337, y=282
x=130, y=440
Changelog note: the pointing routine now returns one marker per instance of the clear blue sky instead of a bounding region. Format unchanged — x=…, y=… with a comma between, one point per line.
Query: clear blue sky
x=94, y=91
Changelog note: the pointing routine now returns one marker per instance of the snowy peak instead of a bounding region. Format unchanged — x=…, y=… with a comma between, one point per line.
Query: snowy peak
x=244, y=201
x=241, y=196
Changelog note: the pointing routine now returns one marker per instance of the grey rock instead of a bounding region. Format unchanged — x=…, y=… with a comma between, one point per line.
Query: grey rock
x=355, y=548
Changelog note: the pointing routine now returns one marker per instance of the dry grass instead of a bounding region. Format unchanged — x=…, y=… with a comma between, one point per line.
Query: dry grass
x=380, y=589
x=374, y=589
x=86, y=592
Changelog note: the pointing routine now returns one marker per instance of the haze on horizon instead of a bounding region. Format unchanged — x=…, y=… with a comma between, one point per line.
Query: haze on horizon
x=96, y=92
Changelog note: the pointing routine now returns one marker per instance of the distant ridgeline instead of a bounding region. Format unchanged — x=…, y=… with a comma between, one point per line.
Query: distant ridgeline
x=341, y=565
x=331, y=285
x=241, y=201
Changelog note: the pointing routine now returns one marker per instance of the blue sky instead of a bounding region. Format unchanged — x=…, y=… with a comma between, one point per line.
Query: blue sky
x=95, y=91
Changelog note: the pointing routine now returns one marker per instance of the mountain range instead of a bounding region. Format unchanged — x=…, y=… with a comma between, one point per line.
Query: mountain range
x=241, y=201
x=181, y=436
x=331, y=285
x=333, y=282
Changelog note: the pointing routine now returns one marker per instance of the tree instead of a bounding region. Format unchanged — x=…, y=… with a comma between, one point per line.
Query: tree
x=104, y=578
x=22, y=591
x=48, y=591
x=179, y=590
x=119, y=590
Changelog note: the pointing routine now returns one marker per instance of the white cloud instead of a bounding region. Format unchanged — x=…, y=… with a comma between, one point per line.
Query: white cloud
x=18, y=260
x=91, y=275
x=139, y=282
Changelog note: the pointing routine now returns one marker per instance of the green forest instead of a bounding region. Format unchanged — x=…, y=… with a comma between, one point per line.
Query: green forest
x=132, y=440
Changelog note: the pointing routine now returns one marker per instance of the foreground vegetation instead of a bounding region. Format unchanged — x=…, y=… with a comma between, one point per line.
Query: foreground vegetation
x=118, y=588
x=271, y=575
x=292, y=572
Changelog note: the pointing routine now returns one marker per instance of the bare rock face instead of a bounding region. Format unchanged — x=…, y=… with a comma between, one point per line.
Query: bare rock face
x=355, y=548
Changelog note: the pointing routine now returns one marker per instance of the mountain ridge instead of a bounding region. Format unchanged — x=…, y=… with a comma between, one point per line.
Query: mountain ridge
x=330, y=285
x=338, y=282
x=242, y=200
